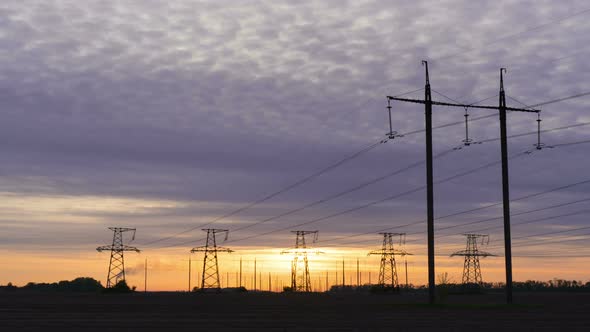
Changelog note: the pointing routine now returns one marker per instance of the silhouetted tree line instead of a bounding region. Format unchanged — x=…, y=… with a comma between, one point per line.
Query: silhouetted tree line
x=553, y=285
x=529, y=285
x=78, y=285
x=558, y=285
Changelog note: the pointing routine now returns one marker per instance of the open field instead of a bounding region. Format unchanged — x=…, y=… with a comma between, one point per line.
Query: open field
x=20, y=311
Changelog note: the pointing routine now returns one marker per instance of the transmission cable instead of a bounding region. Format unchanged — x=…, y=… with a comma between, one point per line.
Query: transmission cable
x=306, y=179
x=374, y=202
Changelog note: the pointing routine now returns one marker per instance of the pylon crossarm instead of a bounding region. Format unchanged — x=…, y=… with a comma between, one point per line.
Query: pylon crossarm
x=104, y=248
x=129, y=248
x=485, y=254
x=440, y=103
x=473, y=254
x=124, y=248
x=298, y=251
x=389, y=252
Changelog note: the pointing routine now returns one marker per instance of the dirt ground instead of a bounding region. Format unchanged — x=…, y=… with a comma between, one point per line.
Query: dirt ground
x=291, y=312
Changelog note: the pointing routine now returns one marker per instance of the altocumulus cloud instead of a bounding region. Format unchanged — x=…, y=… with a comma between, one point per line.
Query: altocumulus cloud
x=213, y=104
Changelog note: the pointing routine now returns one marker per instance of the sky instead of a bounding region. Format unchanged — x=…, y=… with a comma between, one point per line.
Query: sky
x=170, y=116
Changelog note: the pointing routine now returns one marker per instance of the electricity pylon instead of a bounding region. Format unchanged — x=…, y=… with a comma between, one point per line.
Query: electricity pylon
x=300, y=279
x=210, y=277
x=471, y=268
x=502, y=110
x=388, y=267
x=117, y=264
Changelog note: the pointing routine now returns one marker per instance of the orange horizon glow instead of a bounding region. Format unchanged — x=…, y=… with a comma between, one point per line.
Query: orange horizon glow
x=168, y=270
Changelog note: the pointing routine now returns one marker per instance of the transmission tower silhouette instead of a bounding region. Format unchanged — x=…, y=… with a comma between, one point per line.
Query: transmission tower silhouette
x=300, y=279
x=502, y=111
x=388, y=267
x=210, y=276
x=117, y=263
x=471, y=267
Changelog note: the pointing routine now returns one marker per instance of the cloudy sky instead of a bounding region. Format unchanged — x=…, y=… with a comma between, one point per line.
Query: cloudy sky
x=167, y=115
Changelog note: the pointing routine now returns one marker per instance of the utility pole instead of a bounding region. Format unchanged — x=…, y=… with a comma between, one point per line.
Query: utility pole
x=210, y=277
x=388, y=267
x=145, y=277
x=505, y=189
x=471, y=267
x=358, y=274
x=430, y=188
x=255, y=273
x=343, y=279
x=189, y=273
x=406, y=270
x=300, y=279
x=502, y=108
x=117, y=264
x=327, y=287
x=240, y=271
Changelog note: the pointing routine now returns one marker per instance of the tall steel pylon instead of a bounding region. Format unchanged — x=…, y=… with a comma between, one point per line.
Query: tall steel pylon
x=300, y=279
x=388, y=268
x=117, y=263
x=471, y=267
x=210, y=276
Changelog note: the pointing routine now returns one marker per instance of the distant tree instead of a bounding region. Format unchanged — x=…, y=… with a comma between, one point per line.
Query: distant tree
x=120, y=287
x=9, y=287
x=444, y=279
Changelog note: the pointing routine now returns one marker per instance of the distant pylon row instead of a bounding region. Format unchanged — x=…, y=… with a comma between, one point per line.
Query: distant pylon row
x=300, y=274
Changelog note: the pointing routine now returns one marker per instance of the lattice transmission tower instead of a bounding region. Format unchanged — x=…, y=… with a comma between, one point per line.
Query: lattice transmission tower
x=300, y=279
x=117, y=263
x=471, y=267
x=210, y=276
x=388, y=268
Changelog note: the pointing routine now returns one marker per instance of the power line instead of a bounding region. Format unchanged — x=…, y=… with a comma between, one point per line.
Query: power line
x=276, y=193
x=467, y=211
x=517, y=34
x=561, y=99
x=304, y=180
x=539, y=220
x=514, y=214
x=524, y=222
x=571, y=143
x=568, y=239
x=340, y=194
x=476, y=209
x=375, y=202
x=366, y=149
